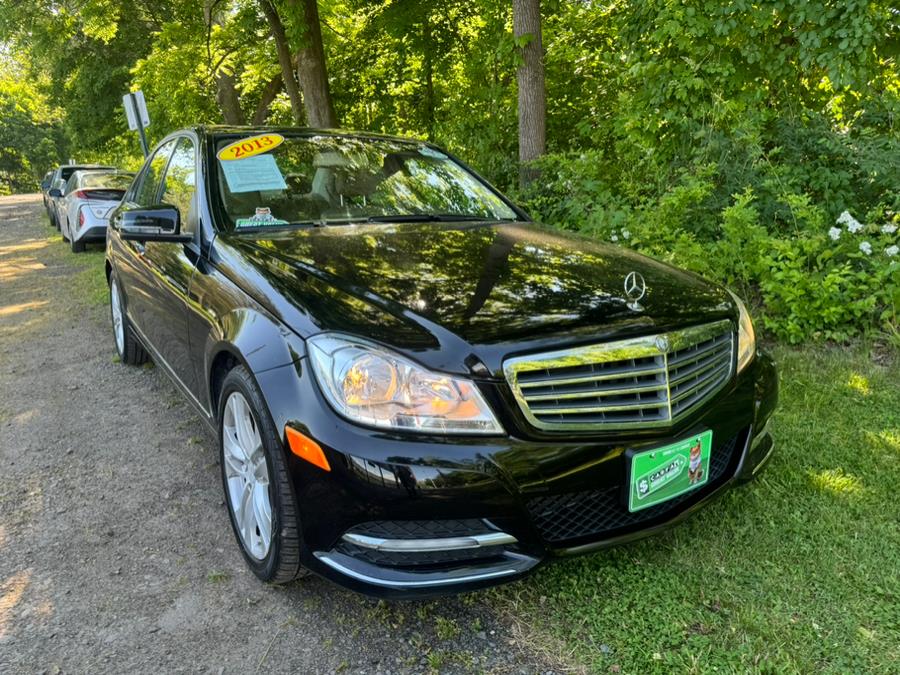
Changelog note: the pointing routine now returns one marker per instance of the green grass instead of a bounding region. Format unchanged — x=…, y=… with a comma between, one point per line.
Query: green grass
x=89, y=280
x=797, y=572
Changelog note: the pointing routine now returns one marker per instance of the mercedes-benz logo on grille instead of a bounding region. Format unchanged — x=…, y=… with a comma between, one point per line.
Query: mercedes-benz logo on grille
x=635, y=289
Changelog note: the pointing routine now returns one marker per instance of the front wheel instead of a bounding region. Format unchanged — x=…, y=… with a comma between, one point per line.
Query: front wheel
x=258, y=491
x=129, y=349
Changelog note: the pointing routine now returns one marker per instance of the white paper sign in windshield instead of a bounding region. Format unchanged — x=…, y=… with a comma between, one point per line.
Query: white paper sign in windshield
x=253, y=174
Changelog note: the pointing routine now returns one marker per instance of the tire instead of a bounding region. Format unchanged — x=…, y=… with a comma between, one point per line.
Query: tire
x=77, y=246
x=128, y=347
x=278, y=561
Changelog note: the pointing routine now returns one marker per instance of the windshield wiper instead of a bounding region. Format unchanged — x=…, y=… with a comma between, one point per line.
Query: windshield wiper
x=430, y=218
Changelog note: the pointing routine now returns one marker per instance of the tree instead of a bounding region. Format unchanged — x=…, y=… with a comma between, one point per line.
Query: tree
x=532, y=92
x=30, y=134
x=311, y=68
x=285, y=60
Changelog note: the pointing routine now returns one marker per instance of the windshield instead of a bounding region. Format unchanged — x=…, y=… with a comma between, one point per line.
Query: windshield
x=267, y=180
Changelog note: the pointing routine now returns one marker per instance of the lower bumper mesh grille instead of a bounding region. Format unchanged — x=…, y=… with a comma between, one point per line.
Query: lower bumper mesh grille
x=602, y=512
x=411, y=559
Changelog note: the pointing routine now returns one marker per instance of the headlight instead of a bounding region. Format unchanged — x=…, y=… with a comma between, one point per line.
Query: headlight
x=746, y=336
x=371, y=385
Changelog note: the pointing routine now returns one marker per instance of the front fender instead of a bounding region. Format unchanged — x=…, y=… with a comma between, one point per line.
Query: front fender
x=251, y=338
x=262, y=343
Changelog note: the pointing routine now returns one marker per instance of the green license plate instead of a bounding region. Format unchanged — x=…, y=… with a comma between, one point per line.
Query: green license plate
x=663, y=473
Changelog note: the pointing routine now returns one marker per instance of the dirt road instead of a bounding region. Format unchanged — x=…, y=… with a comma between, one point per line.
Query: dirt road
x=115, y=548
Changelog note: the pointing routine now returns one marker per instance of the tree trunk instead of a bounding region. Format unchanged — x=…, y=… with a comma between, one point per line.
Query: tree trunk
x=223, y=75
x=227, y=97
x=429, y=78
x=270, y=91
x=532, y=92
x=284, y=58
x=311, y=68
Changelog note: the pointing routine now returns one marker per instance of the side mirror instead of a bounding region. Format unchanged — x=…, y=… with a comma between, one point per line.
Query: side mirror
x=156, y=223
x=55, y=192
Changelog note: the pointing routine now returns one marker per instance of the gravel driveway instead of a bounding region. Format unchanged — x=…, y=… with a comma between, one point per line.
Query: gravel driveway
x=115, y=550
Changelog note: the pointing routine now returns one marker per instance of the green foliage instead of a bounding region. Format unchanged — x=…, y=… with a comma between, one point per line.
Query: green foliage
x=30, y=136
x=756, y=219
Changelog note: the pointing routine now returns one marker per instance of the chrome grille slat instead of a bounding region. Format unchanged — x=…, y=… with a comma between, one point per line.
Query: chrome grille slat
x=601, y=408
x=698, y=357
x=625, y=372
x=699, y=384
x=639, y=382
x=600, y=393
x=697, y=352
x=697, y=369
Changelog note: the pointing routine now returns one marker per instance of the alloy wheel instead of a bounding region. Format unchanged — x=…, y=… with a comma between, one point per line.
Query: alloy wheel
x=115, y=303
x=247, y=476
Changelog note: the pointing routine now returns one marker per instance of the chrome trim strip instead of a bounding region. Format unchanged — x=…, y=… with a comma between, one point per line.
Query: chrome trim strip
x=658, y=347
x=430, y=545
x=518, y=562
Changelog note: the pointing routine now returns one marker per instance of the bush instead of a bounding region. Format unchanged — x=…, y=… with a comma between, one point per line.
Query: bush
x=772, y=220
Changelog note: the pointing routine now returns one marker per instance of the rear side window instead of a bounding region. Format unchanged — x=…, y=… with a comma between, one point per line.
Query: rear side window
x=147, y=190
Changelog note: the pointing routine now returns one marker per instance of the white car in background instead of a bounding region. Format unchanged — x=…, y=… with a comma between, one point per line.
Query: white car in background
x=89, y=198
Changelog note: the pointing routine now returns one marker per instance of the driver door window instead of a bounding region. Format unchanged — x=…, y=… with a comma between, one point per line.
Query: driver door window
x=146, y=192
x=180, y=183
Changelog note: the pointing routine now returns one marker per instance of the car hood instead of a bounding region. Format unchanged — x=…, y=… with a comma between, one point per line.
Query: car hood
x=514, y=286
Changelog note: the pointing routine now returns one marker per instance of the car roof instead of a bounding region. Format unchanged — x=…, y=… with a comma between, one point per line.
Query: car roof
x=105, y=169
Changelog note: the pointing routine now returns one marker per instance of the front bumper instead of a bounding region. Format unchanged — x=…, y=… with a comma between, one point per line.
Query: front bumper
x=399, y=516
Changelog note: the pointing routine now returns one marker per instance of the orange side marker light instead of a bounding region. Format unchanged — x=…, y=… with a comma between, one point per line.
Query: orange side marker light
x=306, y=448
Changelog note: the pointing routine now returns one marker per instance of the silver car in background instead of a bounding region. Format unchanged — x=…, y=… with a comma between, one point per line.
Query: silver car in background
x=89, y=197
x=56, y=190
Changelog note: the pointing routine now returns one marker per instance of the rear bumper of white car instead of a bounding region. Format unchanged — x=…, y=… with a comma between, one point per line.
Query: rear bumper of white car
x=87, y=225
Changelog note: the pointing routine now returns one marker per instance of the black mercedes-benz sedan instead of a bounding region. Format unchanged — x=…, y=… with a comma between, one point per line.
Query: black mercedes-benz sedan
x=416, y=389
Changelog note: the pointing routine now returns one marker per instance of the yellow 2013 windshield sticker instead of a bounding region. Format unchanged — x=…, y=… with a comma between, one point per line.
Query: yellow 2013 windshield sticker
x=247, y=147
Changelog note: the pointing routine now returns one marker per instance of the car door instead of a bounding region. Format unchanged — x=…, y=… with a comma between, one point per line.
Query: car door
x=59, y=184
x=65, y=205
x=171, y=266
x=135, y=276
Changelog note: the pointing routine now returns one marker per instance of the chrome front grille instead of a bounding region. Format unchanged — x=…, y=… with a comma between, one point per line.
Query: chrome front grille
x=646, y=381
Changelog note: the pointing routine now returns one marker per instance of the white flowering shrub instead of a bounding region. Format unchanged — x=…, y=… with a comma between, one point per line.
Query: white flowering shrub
x=814, y=268
x=832, y=284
